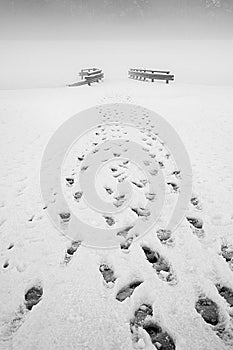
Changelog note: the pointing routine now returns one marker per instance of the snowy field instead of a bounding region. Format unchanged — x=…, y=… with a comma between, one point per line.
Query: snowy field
x=174, y=292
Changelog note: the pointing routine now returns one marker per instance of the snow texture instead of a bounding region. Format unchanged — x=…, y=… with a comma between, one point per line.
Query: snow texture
x=166, y=290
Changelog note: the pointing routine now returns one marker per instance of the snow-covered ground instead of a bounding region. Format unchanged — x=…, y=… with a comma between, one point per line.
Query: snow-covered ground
x=78, y=307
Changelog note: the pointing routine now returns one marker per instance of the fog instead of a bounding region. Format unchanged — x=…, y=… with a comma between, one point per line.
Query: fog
x=46, y=43
x=31, y=64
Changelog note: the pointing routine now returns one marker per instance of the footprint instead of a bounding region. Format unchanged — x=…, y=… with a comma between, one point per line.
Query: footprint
x=78, y=195
x=208, y=309
x=150, y=196
x=226, y=293
x=196, y=225
x=126, y=244
x=159, y=338
x=176, y=173
x=69, y=181
x=31, y=218
x=70, y=251
x=11, y=245
x=161, y=164
x=64, y=219
x=125, y=231
x=109, y=190
x=14, y=324
x=151, y=256
x=195, y=222
x=127, y=291
x=195, y=202
x=109, y=220
x=108, y=273
x=227, y=252
x=165, y=236
x=153, y=172
x=174, y=186
x=84, y=168
x=33, y=296
x=6, y=264
x=161, y=265
x=141, y=212
x=143, y=313
x=119, y=200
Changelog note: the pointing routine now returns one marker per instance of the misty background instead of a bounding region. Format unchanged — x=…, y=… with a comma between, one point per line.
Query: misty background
x=44, y=43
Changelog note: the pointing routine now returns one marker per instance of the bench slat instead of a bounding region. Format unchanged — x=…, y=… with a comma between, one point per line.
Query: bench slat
x=95, y=72
x=152, y=76
x=79, y=83
x=149, y=70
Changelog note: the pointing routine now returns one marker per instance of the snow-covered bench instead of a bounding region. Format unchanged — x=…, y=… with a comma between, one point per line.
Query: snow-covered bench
x=143, y=74
x=89, y=76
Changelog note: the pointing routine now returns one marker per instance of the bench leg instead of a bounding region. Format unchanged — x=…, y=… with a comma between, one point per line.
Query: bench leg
x=152, y=80
x=167, y=81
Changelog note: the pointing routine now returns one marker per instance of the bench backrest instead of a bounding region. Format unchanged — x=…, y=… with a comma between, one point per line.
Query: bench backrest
x=94, y=77
x=152, y=75
x=149, y=71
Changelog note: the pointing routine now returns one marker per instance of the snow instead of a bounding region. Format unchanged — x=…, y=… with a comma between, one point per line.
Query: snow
x=78, y=309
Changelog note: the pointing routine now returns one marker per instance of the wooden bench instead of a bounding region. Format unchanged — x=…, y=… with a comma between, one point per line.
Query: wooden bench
x=143, y=74
x=89, y=76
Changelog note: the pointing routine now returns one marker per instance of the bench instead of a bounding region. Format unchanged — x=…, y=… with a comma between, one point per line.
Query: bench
x=143, y=74
x=89, y=76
